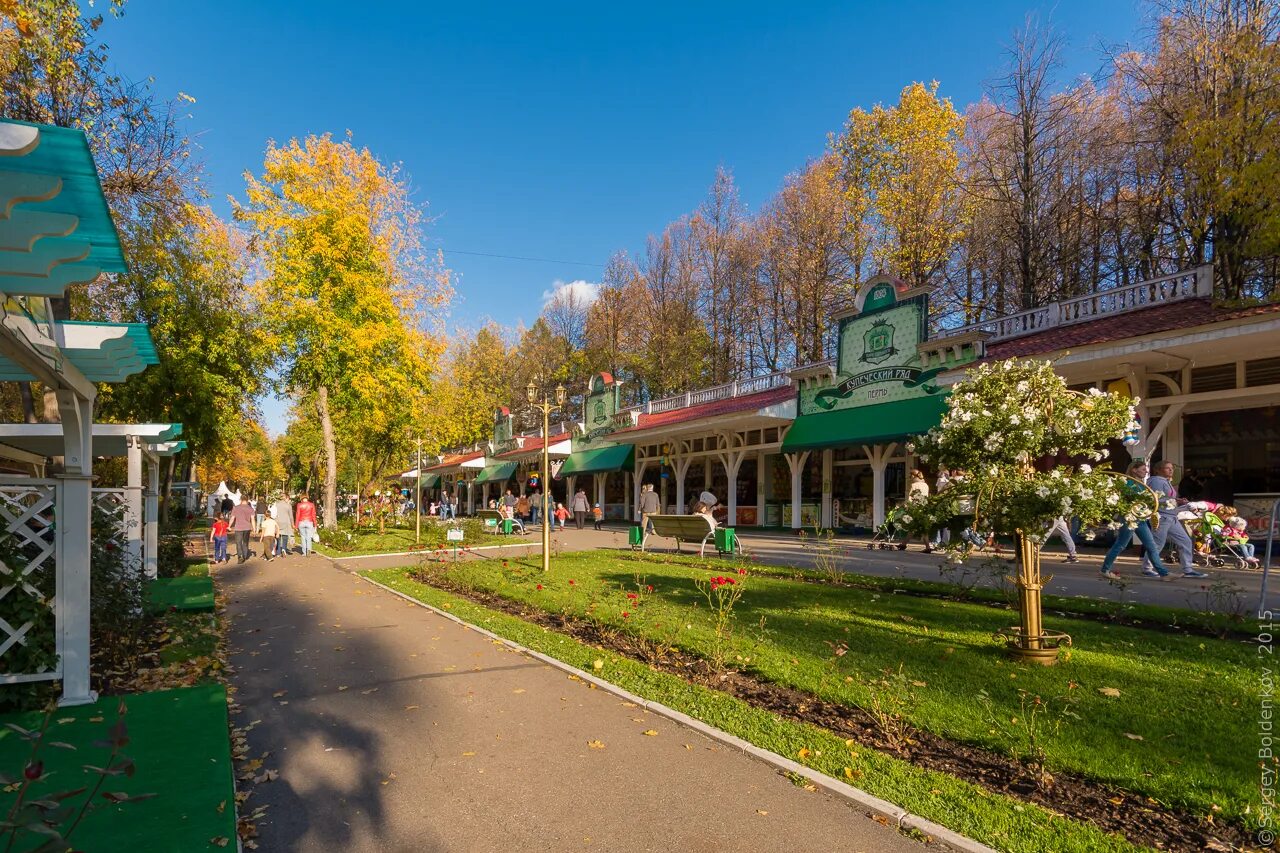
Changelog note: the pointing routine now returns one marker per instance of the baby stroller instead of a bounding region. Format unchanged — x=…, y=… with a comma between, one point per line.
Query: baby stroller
x=1206, y=523
x=886, y=536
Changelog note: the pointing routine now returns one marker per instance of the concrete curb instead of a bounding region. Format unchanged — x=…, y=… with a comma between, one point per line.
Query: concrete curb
x=901, y=817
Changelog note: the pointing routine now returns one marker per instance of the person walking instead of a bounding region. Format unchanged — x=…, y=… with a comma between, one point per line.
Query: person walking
x=535, y=506
x=259, y=513
x=580, y=507
x=917, y=492
x=1061, y=527
x=242, y=526
x=304, y=518
x=269, y=535
x=227, y=505
x=1134, y=485
x=522, y=507
x=597, y=517
x=446, y=506
x=509, y=500
x=1161, y=482
x=284, y=518
x=562, y=515
x=218, y=536
x=650, y=506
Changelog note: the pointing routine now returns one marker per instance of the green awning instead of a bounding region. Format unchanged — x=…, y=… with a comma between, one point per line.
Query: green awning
x=430, y=481
x=75, y=208
x=499, y=473
x=602, y=460
x=866, y=424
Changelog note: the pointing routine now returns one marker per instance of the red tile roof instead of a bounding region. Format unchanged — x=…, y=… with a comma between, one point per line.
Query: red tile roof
x=1133, y=324
x=727, y=406
x=456, y=459
x=532, y=442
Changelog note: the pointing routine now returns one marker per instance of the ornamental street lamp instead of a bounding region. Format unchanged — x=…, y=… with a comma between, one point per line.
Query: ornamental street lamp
x=417, y=499
x=545, y=405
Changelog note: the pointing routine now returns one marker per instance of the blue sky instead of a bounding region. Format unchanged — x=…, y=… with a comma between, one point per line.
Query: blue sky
x=565, y=131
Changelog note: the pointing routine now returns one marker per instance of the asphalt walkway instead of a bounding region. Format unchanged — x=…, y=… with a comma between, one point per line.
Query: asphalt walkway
x=393, y=729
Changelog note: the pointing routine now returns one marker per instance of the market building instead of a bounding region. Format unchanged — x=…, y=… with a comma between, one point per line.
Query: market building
x=826, y=445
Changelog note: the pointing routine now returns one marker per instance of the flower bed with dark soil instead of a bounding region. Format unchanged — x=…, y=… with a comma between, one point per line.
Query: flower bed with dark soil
x=1140, y=819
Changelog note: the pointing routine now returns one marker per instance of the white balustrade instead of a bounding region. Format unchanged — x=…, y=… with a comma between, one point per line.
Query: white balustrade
x=1188, y=284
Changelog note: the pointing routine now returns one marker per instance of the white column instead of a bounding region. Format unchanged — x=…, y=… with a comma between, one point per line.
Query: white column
x=828, y=456
x=795, y=461
x=879, y=456
x=681, y=470
x=484, y=495
x=637, y=482
x=570, y=491
x=599, y=484
x=133, y=501
x=732, y=461
x=627, y=480
x=151, y=519
x=762, y=471
x=706, y=473
x=74, y=528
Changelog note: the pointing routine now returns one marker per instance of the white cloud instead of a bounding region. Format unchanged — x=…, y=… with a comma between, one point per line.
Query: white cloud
x=582, y=291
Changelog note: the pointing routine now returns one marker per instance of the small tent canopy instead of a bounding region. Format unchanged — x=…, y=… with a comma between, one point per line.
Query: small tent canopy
x=222, y=491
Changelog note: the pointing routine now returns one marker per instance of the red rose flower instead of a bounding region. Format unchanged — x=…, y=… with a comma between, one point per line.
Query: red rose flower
x=649, y=588
x=625, y=614
x=539, y=586
x=570, y=581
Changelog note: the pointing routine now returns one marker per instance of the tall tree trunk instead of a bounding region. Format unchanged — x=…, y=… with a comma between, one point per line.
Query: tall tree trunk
x=331, y=458
x=28, y=403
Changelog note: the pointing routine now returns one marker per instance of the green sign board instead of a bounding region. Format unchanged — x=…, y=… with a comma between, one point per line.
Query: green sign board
x=598, y=412
x=877, y=359
x=503, y=430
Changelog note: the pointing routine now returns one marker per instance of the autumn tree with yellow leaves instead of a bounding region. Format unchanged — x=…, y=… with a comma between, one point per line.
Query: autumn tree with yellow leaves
x=349, y=297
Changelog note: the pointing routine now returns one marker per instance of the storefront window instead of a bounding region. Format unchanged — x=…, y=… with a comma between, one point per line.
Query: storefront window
x=1231, y=453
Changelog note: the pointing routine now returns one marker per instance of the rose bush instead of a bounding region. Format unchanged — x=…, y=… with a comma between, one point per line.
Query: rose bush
x=1002, y=420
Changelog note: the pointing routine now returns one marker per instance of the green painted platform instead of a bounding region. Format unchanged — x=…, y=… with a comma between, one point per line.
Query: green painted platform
x=179, y=741
x=186, y=593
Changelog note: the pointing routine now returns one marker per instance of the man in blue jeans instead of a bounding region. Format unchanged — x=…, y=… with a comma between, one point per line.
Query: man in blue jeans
x=1161, y=483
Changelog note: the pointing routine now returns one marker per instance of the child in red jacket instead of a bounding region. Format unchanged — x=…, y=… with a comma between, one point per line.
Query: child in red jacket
x=218, y=536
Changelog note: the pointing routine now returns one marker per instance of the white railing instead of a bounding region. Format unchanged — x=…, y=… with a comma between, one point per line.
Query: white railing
x=1188, y=284
x=30, y=582
x=729, y=390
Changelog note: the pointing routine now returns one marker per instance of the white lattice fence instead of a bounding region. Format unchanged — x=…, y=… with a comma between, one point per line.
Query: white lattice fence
x=30, y=622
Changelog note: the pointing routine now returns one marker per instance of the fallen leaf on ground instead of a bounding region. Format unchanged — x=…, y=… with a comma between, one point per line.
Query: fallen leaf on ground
x=650, y=732
x=367, y=692
x=1132, y=736
x=343, y=687
x=761, y=812
x=1109, y=691
x=466, y=754
x=595, y=744
x=278, y=694
x=411, y=707
x=518, y=690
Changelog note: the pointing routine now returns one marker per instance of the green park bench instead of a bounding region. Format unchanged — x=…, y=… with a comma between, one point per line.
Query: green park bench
x=501, y=523
x=692, y=528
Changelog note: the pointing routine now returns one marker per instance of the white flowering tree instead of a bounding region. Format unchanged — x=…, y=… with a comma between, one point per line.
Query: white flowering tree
x=1005, y=424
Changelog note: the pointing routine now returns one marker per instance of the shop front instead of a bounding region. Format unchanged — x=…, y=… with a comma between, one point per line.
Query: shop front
x=855, y=417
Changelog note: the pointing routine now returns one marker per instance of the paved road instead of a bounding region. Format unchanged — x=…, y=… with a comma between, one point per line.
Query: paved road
x=396, y=730
x=1081, y=579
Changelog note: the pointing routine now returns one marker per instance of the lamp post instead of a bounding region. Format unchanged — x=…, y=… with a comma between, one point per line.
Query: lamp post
x=533, y=392
x=417, y=499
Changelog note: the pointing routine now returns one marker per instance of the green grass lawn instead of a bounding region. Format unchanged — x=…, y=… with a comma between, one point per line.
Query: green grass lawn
x=1177, y=731
x=401, y=539
x=178, y=742
x=999, y=821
